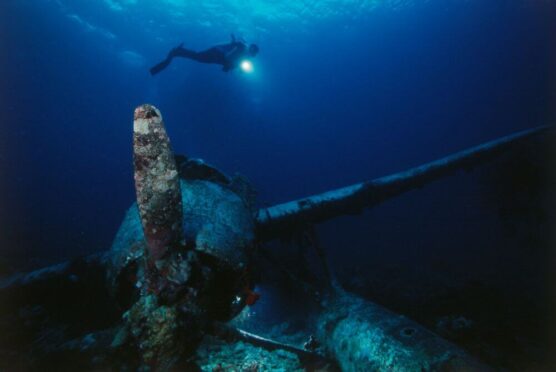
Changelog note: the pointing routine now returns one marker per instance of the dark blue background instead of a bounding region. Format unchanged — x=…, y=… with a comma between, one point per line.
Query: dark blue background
x=339, y=95
x=335, y=102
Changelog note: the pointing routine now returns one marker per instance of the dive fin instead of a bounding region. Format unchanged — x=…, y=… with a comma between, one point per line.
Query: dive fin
x=160, y=66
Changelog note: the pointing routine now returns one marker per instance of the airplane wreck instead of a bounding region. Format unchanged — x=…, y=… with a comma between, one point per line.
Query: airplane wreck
x=183, y=264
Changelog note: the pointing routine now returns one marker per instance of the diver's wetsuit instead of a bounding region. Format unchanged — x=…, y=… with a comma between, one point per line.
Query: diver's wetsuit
x=227, y=55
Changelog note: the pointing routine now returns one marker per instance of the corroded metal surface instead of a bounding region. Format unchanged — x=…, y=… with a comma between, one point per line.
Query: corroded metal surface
x=363, y=336
x=274, y=221
x=156, y=182
x=215, y=221
x=162, y=299
x=218, y=221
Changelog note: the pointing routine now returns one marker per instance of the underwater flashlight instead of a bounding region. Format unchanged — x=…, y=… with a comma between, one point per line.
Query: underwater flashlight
x=246, y=66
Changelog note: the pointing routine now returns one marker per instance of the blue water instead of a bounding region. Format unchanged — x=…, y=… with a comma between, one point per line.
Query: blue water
x=342, y=91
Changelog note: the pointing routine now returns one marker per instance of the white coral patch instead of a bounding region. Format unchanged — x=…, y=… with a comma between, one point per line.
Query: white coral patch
x=141, y=126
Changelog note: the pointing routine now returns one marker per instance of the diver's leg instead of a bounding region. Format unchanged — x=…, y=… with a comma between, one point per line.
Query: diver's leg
x=206, y=56
x=185, y=53
x=212, y=55
x=179, y=51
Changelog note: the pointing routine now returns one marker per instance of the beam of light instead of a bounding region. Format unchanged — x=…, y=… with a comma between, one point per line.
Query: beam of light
x=246, y=66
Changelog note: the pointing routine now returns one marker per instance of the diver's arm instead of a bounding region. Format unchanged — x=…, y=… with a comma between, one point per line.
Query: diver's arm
x=232, y=57
x=231, y=52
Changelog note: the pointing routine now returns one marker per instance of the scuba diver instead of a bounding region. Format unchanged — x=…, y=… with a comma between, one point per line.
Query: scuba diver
x=228, y=55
